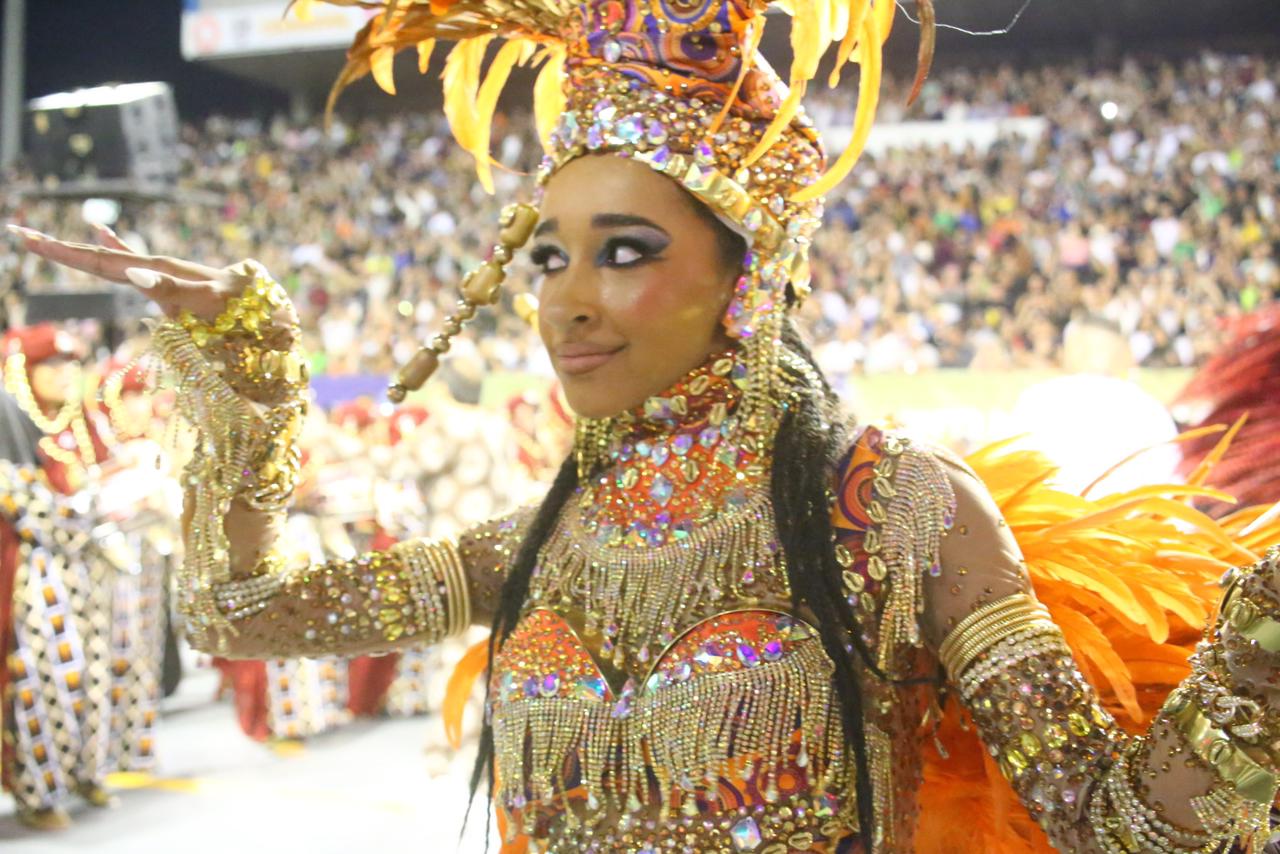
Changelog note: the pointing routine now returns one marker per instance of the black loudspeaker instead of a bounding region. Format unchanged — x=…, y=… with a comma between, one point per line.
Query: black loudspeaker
x=125, y=133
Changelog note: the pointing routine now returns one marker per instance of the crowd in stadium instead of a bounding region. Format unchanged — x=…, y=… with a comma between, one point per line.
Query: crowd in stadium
x=1147, y=204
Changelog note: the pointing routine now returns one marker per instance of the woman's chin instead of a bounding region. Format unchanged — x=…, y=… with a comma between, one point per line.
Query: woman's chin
x=590, y=399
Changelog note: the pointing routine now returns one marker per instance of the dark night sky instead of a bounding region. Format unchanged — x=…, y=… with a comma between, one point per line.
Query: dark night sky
x=73, y=43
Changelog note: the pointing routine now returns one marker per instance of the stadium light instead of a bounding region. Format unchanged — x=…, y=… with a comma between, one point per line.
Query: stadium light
x=1109, y=110
x=98, y=96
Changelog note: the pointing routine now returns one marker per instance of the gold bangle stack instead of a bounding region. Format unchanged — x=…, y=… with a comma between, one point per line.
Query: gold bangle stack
x=987, y=626
x=440, y=583
x=1219, y=750
x=1249, y=606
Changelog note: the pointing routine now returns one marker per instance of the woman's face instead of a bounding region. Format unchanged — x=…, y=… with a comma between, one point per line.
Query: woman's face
x=54, y=381
x=633, y=283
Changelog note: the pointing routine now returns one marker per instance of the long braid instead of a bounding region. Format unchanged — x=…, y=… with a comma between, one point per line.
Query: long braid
x=510, y=602
x=811, y=440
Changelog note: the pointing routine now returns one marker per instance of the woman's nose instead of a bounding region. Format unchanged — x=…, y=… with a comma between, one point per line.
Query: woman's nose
x=571, y=298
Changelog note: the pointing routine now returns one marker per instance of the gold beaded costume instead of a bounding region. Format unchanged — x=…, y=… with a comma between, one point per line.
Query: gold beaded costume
x=664, y=689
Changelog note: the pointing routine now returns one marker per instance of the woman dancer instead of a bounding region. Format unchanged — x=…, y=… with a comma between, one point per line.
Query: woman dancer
x=721, y=628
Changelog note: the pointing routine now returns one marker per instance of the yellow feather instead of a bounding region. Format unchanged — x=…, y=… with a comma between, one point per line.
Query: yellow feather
x=381, y=62
x=1104, y=584
x=1191, y=611
x=425, y=48
x=487, y=101
x=461, y=84
x=858, y=10
x=548, y=96
x=868, y=98
x=884, y=10
x=1219, y=451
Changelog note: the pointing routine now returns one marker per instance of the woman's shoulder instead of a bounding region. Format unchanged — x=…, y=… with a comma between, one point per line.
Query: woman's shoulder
x=881, y=464
x=894, y=502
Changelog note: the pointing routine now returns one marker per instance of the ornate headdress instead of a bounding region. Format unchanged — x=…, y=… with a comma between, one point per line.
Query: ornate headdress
x=677, y=84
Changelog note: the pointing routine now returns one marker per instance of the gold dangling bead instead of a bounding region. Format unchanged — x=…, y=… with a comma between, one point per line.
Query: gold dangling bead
x=481, y=286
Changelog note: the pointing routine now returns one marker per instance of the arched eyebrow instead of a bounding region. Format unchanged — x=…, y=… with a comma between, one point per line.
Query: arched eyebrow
x=604, y=220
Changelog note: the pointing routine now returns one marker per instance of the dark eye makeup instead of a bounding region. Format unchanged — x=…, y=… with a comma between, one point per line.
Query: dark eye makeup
x=622, y=251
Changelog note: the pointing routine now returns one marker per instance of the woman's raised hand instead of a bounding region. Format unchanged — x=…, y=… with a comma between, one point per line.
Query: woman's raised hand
x=172, y=283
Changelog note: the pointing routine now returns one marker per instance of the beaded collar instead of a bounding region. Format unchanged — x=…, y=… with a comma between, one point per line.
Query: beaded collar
x=679, y=459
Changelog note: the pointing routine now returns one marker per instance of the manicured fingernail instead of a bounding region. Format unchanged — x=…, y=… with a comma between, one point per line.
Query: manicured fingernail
x=23, y=231
x=105, y=229
x=142, y=277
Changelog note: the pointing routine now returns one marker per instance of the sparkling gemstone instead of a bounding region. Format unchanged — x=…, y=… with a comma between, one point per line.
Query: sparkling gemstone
x=699, y=177
x=550, y=685
x=660, y=157
x=605, y=110
x=710, y=655
x=745, y=835
x=612, y=51
x=531, y=686
x=743, y=176
x=704, y=155
x=622, y=708
x=658, y=408
x=682, y=444
x=753, y=219
x=589, y=688
x=747, y=655
x=569, y=125
x=1077, y=724
x=777, y=204
x=655, y=132
x=660, y=455
x=772, y=651
x=629, y=131
x=708, y=437
x=661, y=489
x=643, y=449
x=801, y=631
x=595, y=136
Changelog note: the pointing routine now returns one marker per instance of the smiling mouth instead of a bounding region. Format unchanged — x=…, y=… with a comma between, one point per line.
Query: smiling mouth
x=584, y=363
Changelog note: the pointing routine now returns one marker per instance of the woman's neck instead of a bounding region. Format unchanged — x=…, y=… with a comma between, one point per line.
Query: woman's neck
x=683, y=457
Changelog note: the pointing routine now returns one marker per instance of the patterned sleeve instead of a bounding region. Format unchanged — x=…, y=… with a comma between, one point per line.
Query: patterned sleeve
x=1090, y=785
x=415, y=593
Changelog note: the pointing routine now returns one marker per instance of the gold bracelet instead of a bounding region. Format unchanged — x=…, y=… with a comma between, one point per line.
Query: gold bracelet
x=248, y=314
x=1239, y=610
x=981, y=629
x=1219, y=751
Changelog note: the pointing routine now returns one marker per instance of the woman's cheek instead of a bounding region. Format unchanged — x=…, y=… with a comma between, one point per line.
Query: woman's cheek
x=655, y=306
